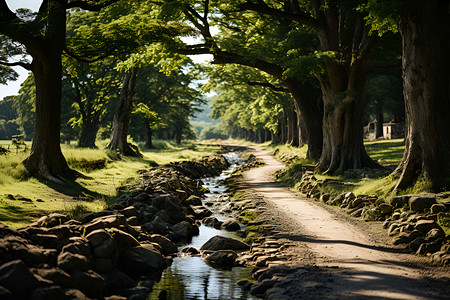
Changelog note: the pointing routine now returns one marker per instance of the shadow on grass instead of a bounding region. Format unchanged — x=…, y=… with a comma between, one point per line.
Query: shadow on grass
x=73, y=189
x=19, y=214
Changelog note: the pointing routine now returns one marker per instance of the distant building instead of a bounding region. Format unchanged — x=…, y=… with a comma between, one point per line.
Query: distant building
x=391, y=131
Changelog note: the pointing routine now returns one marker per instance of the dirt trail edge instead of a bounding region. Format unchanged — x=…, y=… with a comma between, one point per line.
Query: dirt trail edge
x=361, y=265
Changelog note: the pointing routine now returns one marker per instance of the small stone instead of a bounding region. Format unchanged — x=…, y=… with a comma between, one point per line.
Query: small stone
x=420, y=203
x=231, y=225
x=70, y=262
x=426, y=225
x=437, y=208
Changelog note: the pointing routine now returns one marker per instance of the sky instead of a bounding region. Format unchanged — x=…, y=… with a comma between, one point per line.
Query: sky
x=12, y=87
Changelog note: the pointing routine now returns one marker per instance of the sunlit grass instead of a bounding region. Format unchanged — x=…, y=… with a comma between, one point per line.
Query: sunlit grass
x=386, y=152
x=92, y=193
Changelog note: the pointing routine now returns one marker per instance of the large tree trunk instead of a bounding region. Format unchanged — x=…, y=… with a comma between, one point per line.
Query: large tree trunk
x=425, y=30
x=343, y=100
x=121, y=118
x=46, y=159
x=307, y=99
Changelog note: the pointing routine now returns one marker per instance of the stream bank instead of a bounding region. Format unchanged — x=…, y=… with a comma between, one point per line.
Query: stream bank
x=106, y=254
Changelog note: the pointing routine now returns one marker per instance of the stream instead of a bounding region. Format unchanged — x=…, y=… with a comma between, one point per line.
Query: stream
x=189, y=277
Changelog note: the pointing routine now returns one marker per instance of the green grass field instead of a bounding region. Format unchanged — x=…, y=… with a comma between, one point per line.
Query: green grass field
x=93, y=193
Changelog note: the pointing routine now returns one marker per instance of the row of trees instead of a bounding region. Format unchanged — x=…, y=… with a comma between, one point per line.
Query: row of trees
x=122, y=38
x=321, y=52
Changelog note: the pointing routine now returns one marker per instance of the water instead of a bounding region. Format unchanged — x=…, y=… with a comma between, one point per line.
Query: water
x=189, y=277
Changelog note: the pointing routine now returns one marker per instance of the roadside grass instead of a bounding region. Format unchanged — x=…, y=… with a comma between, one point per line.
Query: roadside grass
x=93, y=192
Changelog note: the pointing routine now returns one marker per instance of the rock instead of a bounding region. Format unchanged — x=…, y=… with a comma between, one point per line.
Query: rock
x=142, y=260
x=106, y=249
x=415, y=244
x=116, y=281
x=5, y=294
x=420, y=203
x=90, y=283
x=97, y=237
x=432, y=247
x=51, y=292
x=46, y=240
x=55, y=219
x=124, y=240
x=74, y=294
x=325, y=197
x=18, y=279
x=385, y=208
x=372, y=214
x=78, y=247
x=395, y=216
x=201, y=212
x=402, y=238
x=193, y=200
x=103, y=264
x=184, y=230
x=224, y=243
x=21, y=248
x=109, y=221
x=130, y=211
x=261, y=288
x=231, y=225
x=212, y=222
x=426, y=225
x=70, y=262
x=223, y=259
x=393, y=229
x=190, y=251
x=399, y=201
x=167, y=246
x=434, y=234
x=55, y=275
x=268, y=273
x=437, y=208
x=357, y=213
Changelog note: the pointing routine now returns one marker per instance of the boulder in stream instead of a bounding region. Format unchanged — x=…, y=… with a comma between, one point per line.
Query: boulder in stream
x=224, y=243
x=223, y=259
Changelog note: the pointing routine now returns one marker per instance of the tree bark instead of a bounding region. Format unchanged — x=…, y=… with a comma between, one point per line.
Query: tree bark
x=425, y=30
x=89, y=129
x=121, y=118
x=307, y=99
x=343, y=120
x=46, y=159
x=379, y=125
x=148, y=136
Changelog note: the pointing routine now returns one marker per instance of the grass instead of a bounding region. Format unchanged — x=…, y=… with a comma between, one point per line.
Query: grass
x=93, y=193
x=386, y=152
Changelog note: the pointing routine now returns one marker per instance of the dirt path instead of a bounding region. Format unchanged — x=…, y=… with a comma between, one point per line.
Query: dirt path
x=360, y=261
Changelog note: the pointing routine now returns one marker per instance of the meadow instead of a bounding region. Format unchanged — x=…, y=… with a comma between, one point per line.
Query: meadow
x=23, y=199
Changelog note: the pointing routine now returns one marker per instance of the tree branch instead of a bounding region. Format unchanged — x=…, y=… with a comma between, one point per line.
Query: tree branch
x=263, y=8
x=269, y=85
x=91, y=7
x=82, y=59
x=26, y=66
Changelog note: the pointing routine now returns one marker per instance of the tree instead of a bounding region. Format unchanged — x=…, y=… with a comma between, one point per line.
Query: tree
x=424, y=28
x=90, y=87
x=343, y=60
x=257, y=43
x=43, y=37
